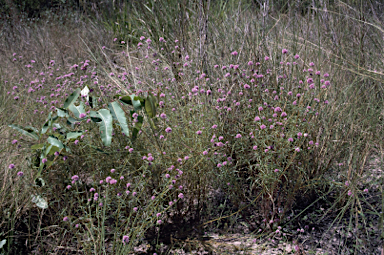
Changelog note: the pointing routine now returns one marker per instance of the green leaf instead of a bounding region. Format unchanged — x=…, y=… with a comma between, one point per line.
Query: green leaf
x=37, y=146
x=133, y=100
x=150, y=106
x=63, y=113
x=74, y=135
x=47, y=124
x=27, y=130
x=39, y=182
x=2, y=243
x=57, y=125
x=55, y=142
x=47, y=150
x=72, y=98
x=95, y=116
x=72, y=121
x=77, y=110
x=93, y=102
x=119, y=115
x=105, y=126
x=32, y=128
x=39, y=201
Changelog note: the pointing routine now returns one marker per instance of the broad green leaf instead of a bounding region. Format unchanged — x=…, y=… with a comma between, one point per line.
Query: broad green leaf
x=95, y=116
x=63, y=113
x=47, y=150
x=133, y=100
x=52, y=151
x=93, y=102
x=56, y=142
x=32, y=128
x=47, y=124
x=77, y=110
x=85, y=92
x=150, y=106
x=72, y=98
x=119, y=115
x=39, y=201
x=57, y=125
x=105, y=126
x=74, y=135
x=2, y=243
x=28, y=131
x=72, y=121
x=37, y=146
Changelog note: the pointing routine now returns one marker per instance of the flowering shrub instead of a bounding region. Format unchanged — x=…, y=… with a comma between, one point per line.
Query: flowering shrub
x=251, y=125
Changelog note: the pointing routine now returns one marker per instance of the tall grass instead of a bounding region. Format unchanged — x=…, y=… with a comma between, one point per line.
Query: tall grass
x=228, y=76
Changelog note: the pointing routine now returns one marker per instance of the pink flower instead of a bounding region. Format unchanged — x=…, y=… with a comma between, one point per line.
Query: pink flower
x=266, y=58
x=125, y=239
x=11, y=166
x=168, y=130
x=181, y=196
x=284, y=51
x=257, y=118
x=263, y=126
x=234, y=53
x=20, y=173
x=255, y=147
x=65, y=218
x=75, y=178
x=238, y=136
